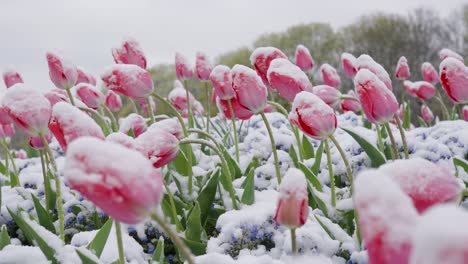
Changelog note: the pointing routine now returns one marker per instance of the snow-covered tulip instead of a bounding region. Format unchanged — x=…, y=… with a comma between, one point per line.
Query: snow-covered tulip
x=347, y=63
x=20, y=154
x=178, y=98
x=182, y=67
x=122, y=139
x=4, y=117
x=429, y=74
x=402, y=71
x=293, y=207
x=366, y=62
x=303, y=58
x=423, y=90
x=7, y=130
x=170, y=125
x=28, y=109
x=62, y=72
x=261, y=59
x=36, y=142
x=134, y=122
x=350, y=104
x=203, y=67
x=89, y=95
x=118, y=180
x=329, y=75
x=198, y=107
x=247, y=83
x=159, y=146
x=378, y=102
x=441, y=236
x=129, y=80
x=69, y=123
x=239, y=111
x=56, y=95
x=386, y=218
x=426, y=183
x=113, y=101
x=465, y=113
x=11, y=77
x=329, y=94
x=454, y=79
x=222, y=82
x=313, y=116
x=84, y=77
x=287, y=79
x=129, y=52
x=427, y=114
x=143, y=102
x=448, y=53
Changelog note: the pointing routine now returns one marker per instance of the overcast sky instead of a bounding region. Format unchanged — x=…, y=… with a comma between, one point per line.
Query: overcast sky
x=86, y=30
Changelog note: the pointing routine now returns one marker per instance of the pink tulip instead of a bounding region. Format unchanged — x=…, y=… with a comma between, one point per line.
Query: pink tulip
x=386, y=217
x=287, y=79
x=69, y=123
x=203, y=67
x=133, y=121
x=36, y=142
x=129, y=53
x=448, y=53
x=261, y=59
x=329, y=75
x=347, y=63
x=310, y=114
x=247, y=83
x=402, y=71
x=56, y=95
x=144, y=105
x=429, y=74
x=378, y=103
x=159, y=146
x=62, y=72
x=116, y=179
x=269, y=109
x=349, y=104
x=441, y=237
x=222, y=82
x=90, y=96
x=426, y=183
x=171, y=126
x=303, y=58
x=330, y=95
x=178, y=98
x=366, y=62
x=423, y=90
x=129, y=80
x=11, y=77
x=4, y=116
x=7, y=130
x=28, y=109
x=182, y=67
x=465, y=113
x=454, y=80
x=293, y=208
x=84, y=77
x=122, y=139
x=239, y=111
x=20, y=154
x=426, y=114
x=113, y=101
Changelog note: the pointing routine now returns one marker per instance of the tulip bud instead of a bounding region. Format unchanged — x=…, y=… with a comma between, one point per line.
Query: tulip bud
x=378, y=103
x=423, y=90
x=134, y=122
x=84, y=77
x=171, y=126
x=429, y=74
x=329, y=75
x=20, y=154
x=118, y=180
x=28, y=109
x=90, y=96
x=427, y=114
x=182, y=67
x=129, y=53
x=129, y=80
x=246, y=83
x=261, y=59
x=330, y=95
x=303, y=58
x=349, y=104
x=36, y=142
x=144, y=105
x=62, y=72
x=122, y=139
x=159, y=146
x=11, y=77
x=310, y=114
x=239, y=111
x=293, y=207
x=402, y=71
x=347, y=63
x=465, y=113
x=366, y=62
x=113, y=101
x=287, y=79
x=222, y=82
x=454, y=80
x=203, y=67
x=7, y=130
x=448, y=53
x=56, y=95
x=178, y=98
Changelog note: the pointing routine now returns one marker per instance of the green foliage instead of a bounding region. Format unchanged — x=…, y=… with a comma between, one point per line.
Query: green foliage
x=99, y=241
x=376, y=157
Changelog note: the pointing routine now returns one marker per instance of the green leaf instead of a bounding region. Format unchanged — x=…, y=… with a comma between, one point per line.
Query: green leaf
x=196, y=247
x=376, y=157
x=4, y=238
x=248, y=197
x=407, y=117
x=366, y=123
x=461, y=163
x=320, y=204
x=99, y=241
x=43, y=215
x=51, y=196
x=311, y=177
x=233, y=166
x=131, y=133
x=84, y=258
x=30, y=232
x=421, y=121
x=293, y=155
x=318, y=159
x=307, y=147
x=159, y=252
x=179, y=164
x=330, y=234
x=194, y=227
x=207, y=195
x=252, y=165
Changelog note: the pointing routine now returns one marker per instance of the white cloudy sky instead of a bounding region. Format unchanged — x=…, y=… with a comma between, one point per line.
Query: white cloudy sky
x=85, y=30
